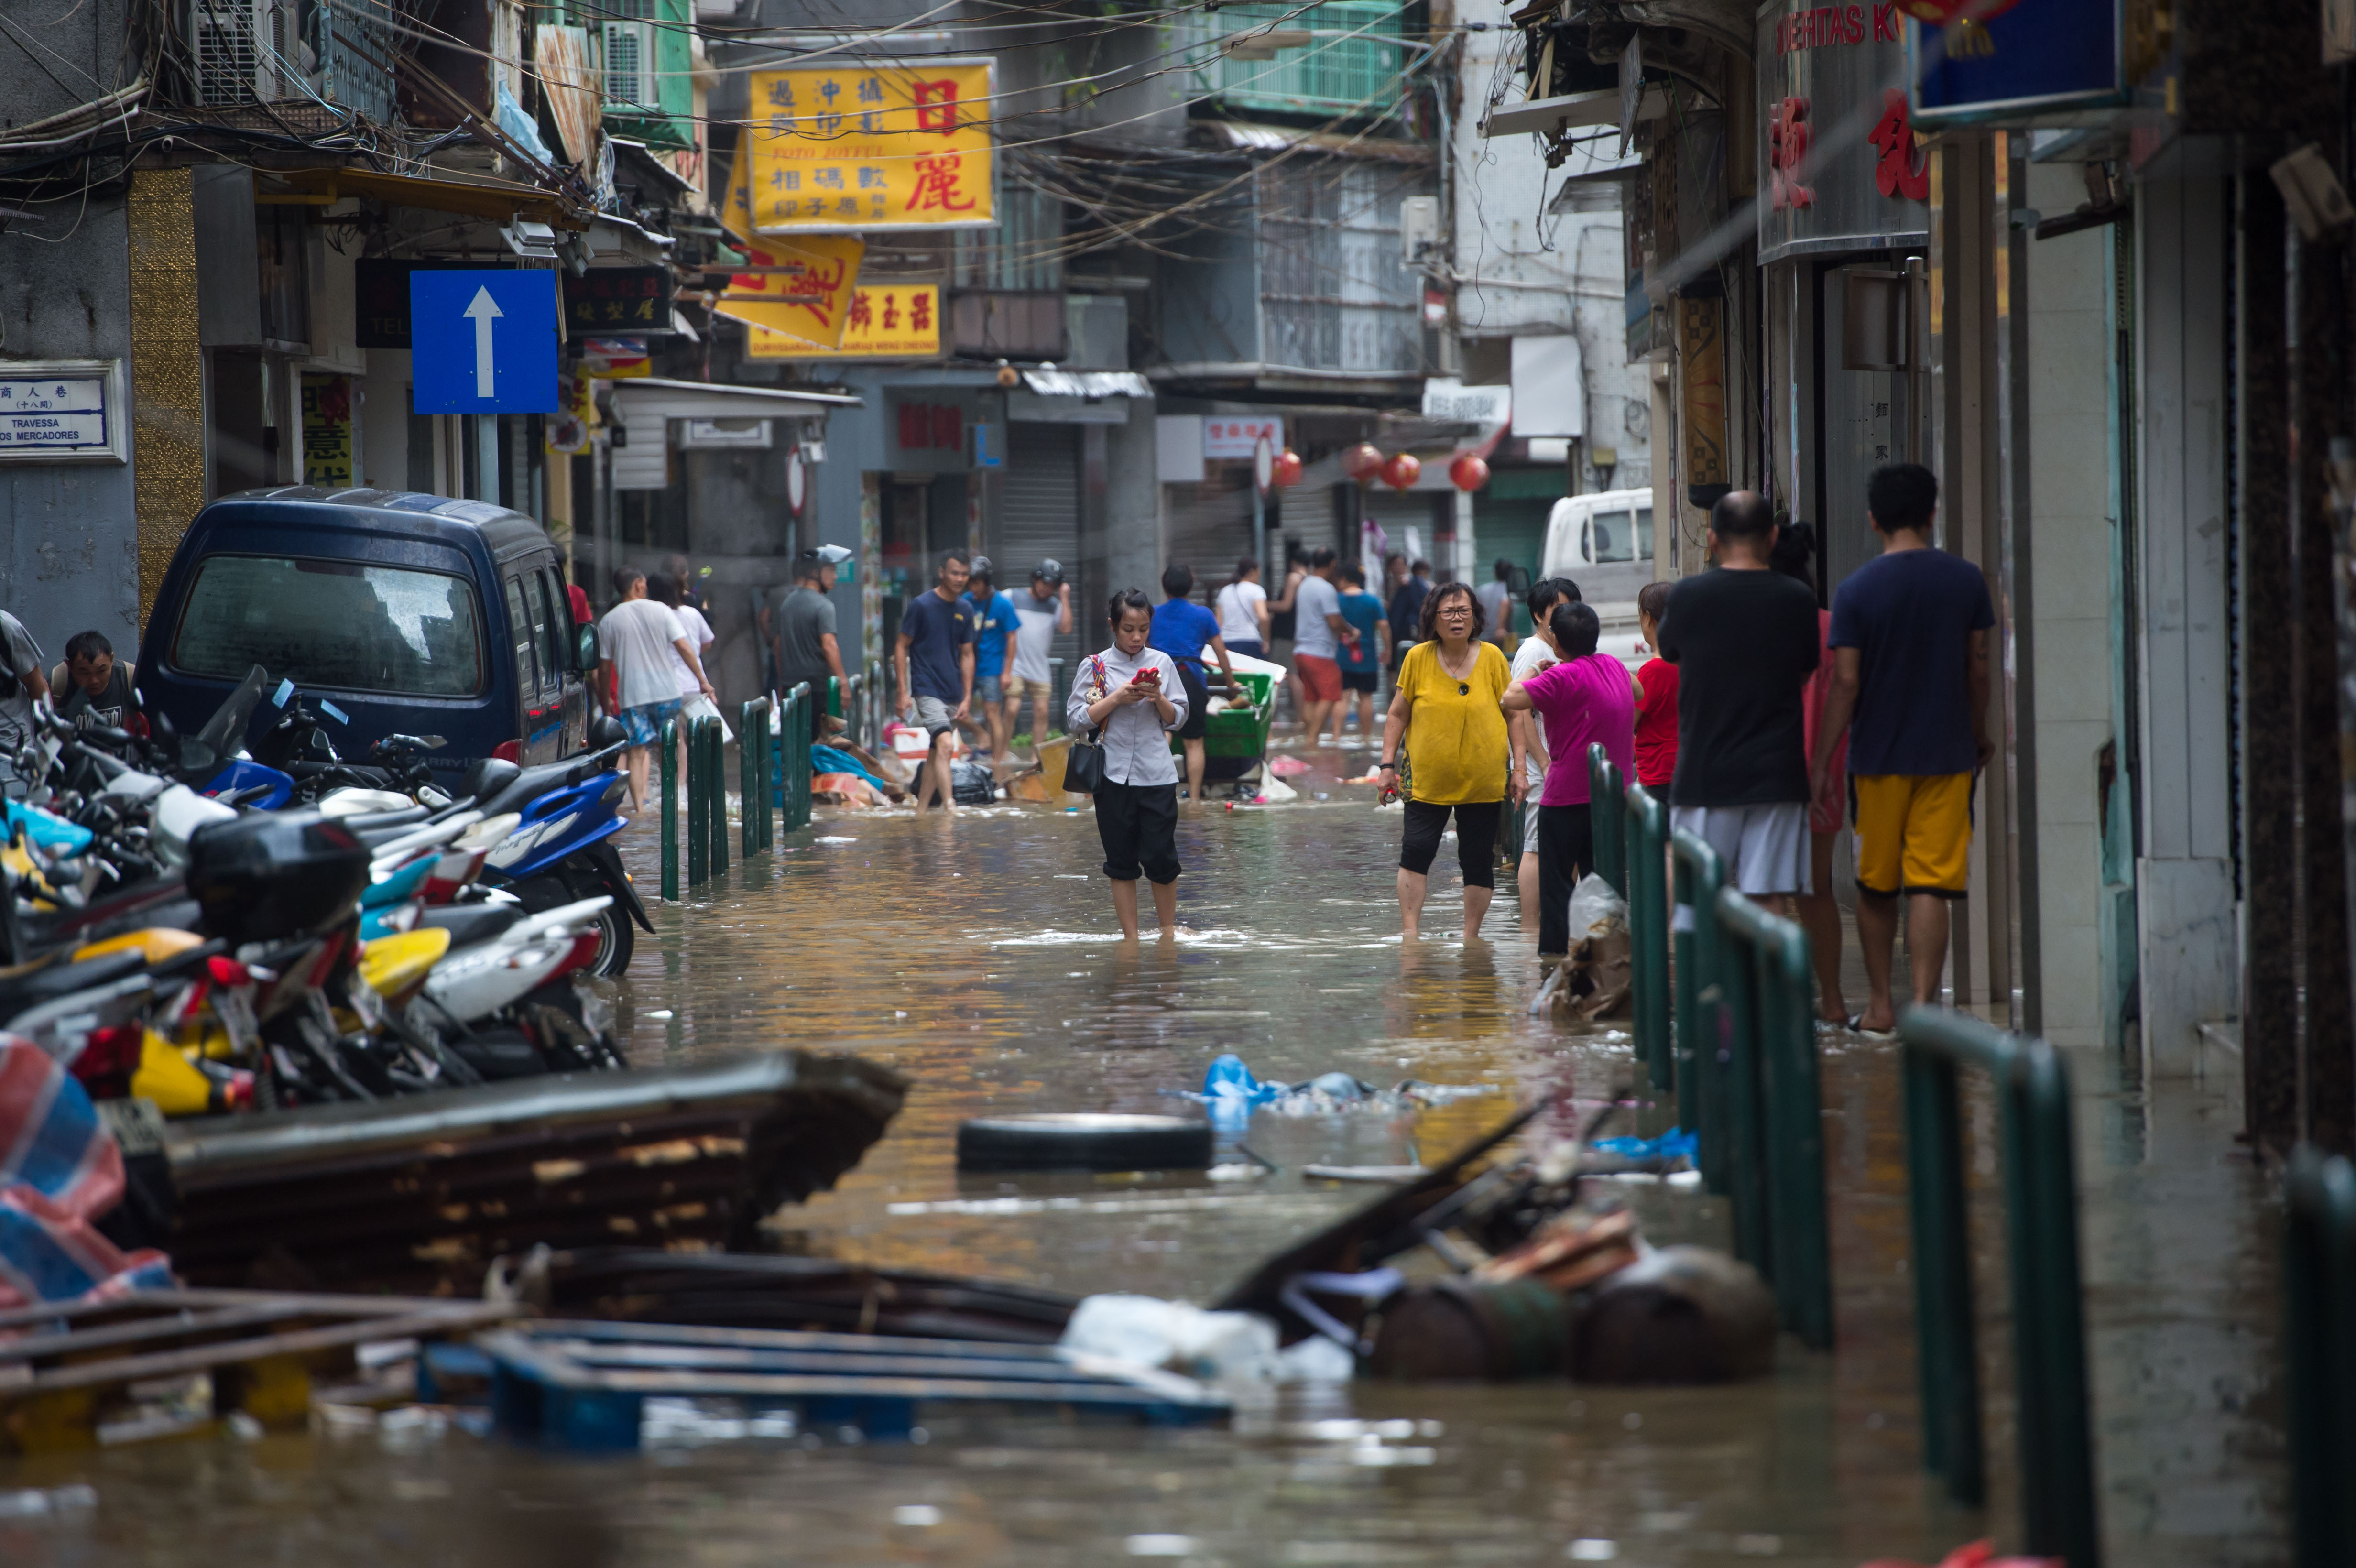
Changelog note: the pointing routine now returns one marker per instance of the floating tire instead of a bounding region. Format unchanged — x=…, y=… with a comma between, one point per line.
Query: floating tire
x=1083, y=1140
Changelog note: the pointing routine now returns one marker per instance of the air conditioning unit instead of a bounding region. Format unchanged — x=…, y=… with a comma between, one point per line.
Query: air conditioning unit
x=242, y=48
x=630, y=77
x=1419, y=228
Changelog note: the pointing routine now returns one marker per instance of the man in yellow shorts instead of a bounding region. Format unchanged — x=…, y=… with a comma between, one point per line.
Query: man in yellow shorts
x=1910, y=637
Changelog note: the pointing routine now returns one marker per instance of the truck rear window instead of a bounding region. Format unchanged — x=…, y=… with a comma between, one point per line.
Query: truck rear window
x=337, y=624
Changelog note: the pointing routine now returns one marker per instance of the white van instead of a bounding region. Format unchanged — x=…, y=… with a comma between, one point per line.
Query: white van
x=1603, y=542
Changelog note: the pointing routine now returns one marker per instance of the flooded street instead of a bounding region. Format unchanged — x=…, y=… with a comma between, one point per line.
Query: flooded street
x=977, y=958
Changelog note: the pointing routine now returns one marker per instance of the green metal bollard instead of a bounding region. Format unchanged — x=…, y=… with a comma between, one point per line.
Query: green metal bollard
x=1700, y=1073
x=670, y=809
x=767, y=707
x=2318, y=1298
x=800, y=720
x=1607, y=810
x=748, y=774
x=718, y=805
x=1745, y=1175
x=2053, y=1421
x=699, y=833
x=1776, y=1100
x=1648, y=928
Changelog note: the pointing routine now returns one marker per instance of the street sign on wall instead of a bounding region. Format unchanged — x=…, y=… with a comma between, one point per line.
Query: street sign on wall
x=607, y=301
x=2017, y=62
x=483, y=342
x=846, y=146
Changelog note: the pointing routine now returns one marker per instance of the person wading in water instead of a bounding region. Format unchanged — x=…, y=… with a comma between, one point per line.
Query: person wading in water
x=1446, y=709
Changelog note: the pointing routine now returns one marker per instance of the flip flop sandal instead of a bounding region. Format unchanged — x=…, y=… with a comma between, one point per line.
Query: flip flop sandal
x=1857, y=1026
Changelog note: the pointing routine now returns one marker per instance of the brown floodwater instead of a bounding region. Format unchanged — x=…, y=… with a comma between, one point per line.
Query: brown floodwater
x=979, y=958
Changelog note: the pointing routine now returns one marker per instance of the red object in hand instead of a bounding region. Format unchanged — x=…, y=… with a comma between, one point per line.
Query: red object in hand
x=1286, y=469
x=1401, y=471
x=1149, y=676
x=1360, y=461
x=1468, y=472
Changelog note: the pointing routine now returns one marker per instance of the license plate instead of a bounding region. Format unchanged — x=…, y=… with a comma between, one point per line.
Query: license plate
x=136, y=1124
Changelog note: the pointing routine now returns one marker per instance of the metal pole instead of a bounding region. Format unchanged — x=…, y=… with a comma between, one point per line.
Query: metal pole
x=768, y=774
x=1743, y=1174
x=1701, y=1043
x=718, y=808
x=670, y=809
x=2319, y=1294
x=1648, y=925
x=748, y=764
x=698, y=835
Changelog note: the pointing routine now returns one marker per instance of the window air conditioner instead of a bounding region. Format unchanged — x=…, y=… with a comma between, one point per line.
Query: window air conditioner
x=630, y=64
x=241, y=48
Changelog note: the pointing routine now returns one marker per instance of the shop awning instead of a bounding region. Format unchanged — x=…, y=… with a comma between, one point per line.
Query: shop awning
x=502, y=203
x=650, y=398
x=1089, y=384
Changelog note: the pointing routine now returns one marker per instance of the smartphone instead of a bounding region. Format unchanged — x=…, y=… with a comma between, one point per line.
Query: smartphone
x=1150, y=676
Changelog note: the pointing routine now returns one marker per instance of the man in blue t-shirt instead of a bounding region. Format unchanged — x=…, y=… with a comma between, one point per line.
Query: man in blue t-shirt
x=1910, y=641
x=1183, y=629
x=1364, y=661
x=995, y=627
x=934, y=661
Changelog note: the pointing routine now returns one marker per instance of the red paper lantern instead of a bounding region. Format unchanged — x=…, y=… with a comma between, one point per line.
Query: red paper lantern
x=1400, y=472
x=1287, y=468
x=1360, y=461
x=1468, y=472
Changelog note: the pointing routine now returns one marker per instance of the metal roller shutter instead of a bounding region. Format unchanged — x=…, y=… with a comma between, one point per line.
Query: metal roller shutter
x=1211, y=523
x=1041, y=520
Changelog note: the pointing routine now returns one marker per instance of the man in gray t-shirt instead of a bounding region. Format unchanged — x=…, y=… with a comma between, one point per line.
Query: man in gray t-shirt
x=802, y=626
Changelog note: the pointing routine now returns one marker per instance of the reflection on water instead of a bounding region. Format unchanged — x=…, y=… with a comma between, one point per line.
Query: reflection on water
x=980, y=958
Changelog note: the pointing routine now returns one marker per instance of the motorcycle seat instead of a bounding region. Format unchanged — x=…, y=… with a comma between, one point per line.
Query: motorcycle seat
x=470, y=923
x=526, y=787
x=30, y=988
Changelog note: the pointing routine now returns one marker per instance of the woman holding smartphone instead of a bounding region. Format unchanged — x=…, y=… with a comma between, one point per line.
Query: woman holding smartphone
x=1129, y=699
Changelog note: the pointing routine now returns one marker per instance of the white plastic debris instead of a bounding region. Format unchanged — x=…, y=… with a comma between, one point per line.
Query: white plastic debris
x=1232, y=1348
x=1317, y=1360
x=1595, y=909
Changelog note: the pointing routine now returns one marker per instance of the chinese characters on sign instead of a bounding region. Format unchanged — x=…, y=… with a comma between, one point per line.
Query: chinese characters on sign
x=55, y=416
x=327, y=431
x=802, y=285
x=839, y=148
x=1787, y=146
x=1822, y=79
x=1701, y=348
x=1226, y=436
x=609, y=300
x=902, y=322
x=924, y=426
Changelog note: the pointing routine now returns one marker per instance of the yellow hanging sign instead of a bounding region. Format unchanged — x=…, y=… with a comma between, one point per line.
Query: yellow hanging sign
x=846, y=147
x=894, y=321
x=813, y=274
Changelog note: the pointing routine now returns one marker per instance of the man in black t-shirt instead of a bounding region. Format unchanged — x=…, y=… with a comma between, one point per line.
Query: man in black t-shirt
x=1744, y=640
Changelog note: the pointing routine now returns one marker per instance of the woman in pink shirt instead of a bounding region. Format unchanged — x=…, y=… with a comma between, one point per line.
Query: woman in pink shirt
x=1585, y=698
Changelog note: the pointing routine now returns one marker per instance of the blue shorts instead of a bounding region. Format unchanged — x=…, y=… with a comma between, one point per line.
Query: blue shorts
x=989, y=688
x=643, y=724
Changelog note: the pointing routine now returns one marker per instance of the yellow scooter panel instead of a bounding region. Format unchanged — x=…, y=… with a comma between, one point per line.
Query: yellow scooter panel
x=156, y=945
x=397, y=964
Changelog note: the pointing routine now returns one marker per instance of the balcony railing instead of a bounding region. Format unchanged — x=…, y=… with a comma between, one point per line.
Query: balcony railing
x=1349, y=66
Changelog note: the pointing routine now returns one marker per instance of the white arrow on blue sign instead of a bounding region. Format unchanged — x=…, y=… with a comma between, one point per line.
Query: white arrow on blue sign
x=483, y=342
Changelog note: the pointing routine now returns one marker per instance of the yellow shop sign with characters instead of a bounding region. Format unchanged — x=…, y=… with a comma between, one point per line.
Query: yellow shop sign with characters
x=843, y=148
x=888, y=322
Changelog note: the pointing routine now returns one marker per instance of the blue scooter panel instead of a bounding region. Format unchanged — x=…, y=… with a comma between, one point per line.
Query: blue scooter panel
x=244, y=774
x=555, y=826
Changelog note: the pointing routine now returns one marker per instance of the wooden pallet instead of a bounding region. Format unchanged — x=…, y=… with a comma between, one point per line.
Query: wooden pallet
x=77, y=1369
x=583, y=1385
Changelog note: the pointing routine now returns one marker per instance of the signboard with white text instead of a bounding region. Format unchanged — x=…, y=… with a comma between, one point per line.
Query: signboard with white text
x=61, y=410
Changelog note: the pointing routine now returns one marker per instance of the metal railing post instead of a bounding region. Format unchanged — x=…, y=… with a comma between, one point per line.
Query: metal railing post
x=1700, y=1075
x=1775, y=1107
x=769, y=775
x=802, y=785
x=2040, y=1197
x=699, y=833
x=1745, y=1175
x=1061, y=695
x=1607, y=810
x=2319, y=1361
x=670, y=809
x=1648, y=930
x=748, y=768
x=719, y=806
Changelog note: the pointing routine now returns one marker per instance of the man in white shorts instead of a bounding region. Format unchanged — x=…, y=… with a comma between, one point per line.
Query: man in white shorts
x=1744, y=639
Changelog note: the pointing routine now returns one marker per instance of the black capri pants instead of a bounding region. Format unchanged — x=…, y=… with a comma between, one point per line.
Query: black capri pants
x=1566, y=853
x=1138, y=827
x=1476, y=838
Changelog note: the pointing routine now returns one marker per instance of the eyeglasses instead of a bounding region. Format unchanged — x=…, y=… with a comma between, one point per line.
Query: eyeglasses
x=1457, y=610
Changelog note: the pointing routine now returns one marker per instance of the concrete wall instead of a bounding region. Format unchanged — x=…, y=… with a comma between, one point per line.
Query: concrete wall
x=2070, y=543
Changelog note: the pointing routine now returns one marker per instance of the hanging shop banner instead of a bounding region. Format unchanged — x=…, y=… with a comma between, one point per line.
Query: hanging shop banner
x=815, y=274
x=615, y=359
x=2015, y=61
x=1236, y=436
x=898, y=321
x=327, y=431
x=1840, y=168
x=604, y=301
x=840, y=148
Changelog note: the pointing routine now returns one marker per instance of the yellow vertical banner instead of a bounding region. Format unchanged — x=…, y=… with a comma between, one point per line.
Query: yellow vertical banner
x=807, y=279
x=836, y=148
x=1701, y=353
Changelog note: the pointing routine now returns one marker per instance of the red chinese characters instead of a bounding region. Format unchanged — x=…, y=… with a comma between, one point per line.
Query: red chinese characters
x=936, y=106
x=1788, y=136
x=1903, y=169
x=937, y=185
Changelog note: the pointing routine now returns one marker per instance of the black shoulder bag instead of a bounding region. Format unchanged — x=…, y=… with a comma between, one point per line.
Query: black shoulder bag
x=1083, y=767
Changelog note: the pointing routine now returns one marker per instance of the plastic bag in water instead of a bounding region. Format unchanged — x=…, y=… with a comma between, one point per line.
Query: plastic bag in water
x=1596, y=909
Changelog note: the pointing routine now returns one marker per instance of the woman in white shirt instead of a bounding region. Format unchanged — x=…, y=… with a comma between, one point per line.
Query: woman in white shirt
x=1243, y=610
x=695, y=693
x=1130, y=695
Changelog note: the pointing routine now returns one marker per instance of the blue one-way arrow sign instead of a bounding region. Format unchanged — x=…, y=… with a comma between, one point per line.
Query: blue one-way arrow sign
x=483, y=342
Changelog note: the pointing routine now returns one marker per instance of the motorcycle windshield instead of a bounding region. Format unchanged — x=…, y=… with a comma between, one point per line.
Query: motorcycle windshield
x=224, y=732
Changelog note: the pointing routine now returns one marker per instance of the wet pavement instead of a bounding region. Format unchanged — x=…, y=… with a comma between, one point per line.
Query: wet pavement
x=980, y=958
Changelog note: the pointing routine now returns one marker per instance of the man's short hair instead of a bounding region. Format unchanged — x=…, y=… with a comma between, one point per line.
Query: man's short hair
x=1504, y=570
x=1742, y=515
x=1323, y=556
x=1653, y=599
x=1420, y=568
x=1576, y=629
x=624, y=578
x=958, y=556
x=1177, y=581
x=1545, y=591
x=88, y=646
x=1901, y=495
x=1353, y=575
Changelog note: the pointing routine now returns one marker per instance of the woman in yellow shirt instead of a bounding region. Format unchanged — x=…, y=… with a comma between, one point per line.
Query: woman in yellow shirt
x=1446, y=707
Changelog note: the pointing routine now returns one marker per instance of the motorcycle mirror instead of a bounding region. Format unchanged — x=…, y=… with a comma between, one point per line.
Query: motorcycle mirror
x=431, y=743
